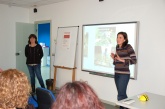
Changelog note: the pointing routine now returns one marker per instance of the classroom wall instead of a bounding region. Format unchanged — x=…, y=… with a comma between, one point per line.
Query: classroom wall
x=9, y=15
x=151, y=52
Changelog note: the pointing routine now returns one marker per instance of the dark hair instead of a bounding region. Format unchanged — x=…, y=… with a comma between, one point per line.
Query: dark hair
x=77, y=95
x=34, y=36
x=125, y=38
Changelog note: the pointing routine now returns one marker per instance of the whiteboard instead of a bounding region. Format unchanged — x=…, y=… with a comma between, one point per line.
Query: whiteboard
x=65, y=47
x=99, y=41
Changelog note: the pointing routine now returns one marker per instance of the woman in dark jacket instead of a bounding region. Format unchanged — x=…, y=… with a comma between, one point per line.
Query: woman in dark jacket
x=34, y=53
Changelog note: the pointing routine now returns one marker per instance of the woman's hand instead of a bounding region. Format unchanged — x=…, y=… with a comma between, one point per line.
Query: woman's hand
x=119, y=59
x=113, y=56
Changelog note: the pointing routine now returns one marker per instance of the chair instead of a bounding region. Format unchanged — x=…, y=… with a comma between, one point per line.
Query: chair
x=33, y=101
x=45, y=98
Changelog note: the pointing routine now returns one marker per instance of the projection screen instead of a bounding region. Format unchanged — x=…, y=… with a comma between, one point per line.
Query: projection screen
x=99, y=41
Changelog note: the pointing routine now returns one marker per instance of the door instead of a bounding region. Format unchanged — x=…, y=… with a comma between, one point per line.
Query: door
x=23, y=30
x=43, y=32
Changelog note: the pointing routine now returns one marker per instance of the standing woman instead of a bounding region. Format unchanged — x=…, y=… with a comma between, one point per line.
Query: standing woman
x=124, y=56
x=34, y=53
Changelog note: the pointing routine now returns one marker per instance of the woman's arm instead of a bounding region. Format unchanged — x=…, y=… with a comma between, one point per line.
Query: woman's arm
x=40, y=51
x=132, y=55
x=119, y=59
x=26, y=51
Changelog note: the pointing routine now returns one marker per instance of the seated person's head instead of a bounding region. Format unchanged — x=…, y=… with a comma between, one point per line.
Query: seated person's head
x=1, y=70
x=77, y=95
x=14, y=89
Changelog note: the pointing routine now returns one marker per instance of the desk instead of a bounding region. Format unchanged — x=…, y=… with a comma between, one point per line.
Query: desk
x=155, y=102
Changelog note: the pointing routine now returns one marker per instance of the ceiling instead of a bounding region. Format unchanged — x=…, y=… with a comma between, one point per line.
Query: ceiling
x=29, y=3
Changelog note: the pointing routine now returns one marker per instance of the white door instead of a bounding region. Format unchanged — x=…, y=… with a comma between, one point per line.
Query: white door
x=23, y=30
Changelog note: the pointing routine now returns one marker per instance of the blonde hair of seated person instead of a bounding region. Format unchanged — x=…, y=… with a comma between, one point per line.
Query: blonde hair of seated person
x=14, y=89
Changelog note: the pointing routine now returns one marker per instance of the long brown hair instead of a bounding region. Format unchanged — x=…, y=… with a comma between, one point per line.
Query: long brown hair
x=125, y=37
x=77, y=95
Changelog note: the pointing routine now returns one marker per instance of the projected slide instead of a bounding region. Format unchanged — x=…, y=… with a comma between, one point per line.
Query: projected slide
x=99, y=41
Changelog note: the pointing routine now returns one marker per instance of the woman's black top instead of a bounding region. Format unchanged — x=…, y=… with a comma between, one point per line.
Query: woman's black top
x=33, y=54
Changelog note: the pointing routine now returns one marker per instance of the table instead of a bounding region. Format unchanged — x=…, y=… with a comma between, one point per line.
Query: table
x=155, y=102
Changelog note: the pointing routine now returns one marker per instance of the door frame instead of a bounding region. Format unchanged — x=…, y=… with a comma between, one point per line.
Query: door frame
x=36, y=27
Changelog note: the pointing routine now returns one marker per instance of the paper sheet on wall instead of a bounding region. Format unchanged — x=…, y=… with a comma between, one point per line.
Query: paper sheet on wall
x=66, y=40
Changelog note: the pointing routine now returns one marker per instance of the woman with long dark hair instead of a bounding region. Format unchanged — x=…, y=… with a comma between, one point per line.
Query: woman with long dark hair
x=123, y=57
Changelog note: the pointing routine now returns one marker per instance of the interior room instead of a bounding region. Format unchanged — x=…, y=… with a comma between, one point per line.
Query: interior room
x=150, y=52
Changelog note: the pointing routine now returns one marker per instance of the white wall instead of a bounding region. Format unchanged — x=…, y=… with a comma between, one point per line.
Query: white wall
x=151, y=53
x=9, y=15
